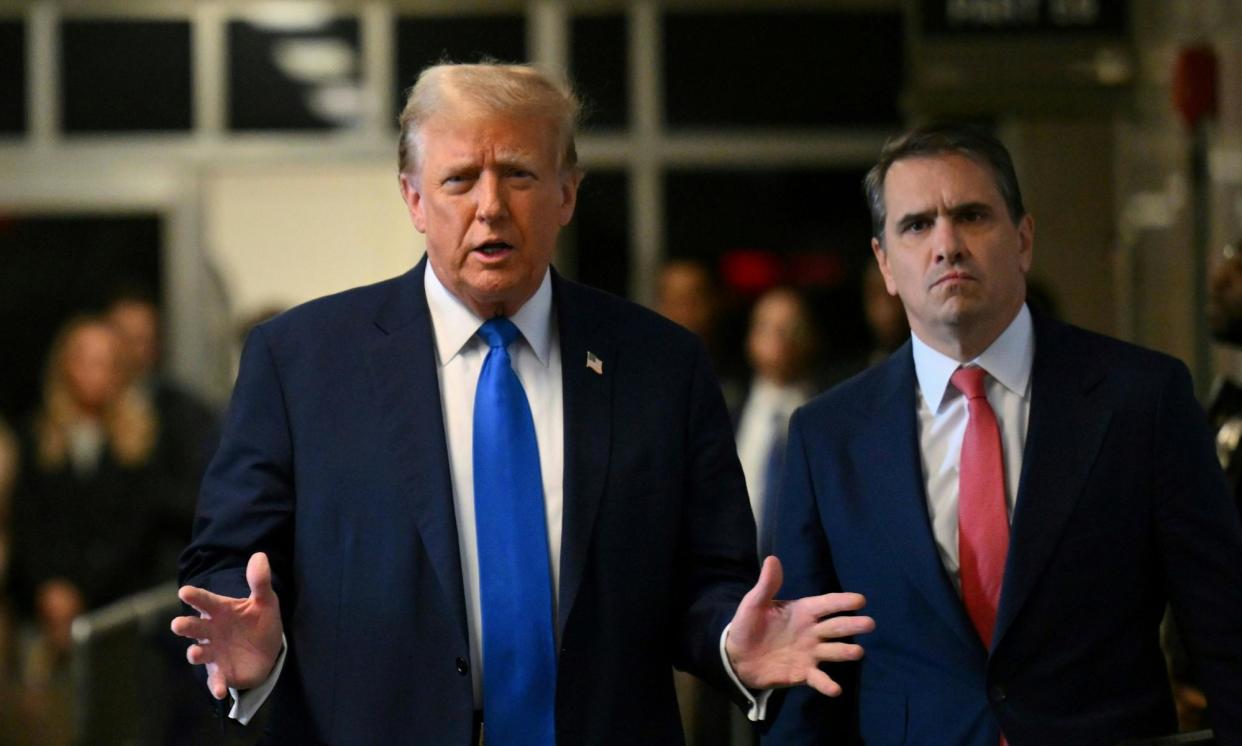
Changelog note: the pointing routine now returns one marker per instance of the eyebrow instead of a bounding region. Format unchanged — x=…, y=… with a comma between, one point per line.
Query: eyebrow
x=953, y=211
x=504, y=160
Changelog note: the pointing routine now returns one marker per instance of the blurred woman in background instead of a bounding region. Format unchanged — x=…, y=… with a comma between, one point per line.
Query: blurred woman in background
x=84, y=507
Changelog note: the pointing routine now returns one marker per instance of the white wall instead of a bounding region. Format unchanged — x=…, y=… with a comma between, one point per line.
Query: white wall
x=286, y=233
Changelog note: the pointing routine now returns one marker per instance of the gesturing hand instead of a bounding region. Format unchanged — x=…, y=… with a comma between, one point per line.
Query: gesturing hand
x=781, y=643
x=238, y=639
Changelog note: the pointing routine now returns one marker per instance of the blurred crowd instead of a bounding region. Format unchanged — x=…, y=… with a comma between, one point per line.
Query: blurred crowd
x=97, y=496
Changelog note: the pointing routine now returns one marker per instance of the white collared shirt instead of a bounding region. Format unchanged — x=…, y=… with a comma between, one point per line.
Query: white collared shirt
x=943, y=415
x=764, y=416
x=536, y=358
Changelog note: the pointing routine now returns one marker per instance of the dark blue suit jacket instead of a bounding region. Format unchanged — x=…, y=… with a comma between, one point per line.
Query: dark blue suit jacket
x=333, y=460
x=1121, y=507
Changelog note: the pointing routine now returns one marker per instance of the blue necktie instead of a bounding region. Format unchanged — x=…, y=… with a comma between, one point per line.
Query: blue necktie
x=515, y=584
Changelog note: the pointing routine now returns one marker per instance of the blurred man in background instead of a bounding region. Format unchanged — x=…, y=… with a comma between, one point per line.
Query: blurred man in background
x=188, y=428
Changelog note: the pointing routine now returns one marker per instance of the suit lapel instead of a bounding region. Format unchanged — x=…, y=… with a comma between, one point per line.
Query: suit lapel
x=587, y=400
x=1067, y=427
x=887, y=452
x=403, y=366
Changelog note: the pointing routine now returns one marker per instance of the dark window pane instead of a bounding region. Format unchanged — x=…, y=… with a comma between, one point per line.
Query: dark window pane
x=12, y=77
x=787, y=69
x=123, y=76
x=56, y=266
x=425, y=40
x=600, y=59
x=600, y=232
x=294, y=80
x=757, y=229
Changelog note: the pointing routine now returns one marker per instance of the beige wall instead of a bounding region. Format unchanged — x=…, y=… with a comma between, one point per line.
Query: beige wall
x=283, y=234
x=1066, y=172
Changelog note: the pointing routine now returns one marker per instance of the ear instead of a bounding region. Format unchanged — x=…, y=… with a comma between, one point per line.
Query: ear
x=1026, y=242
x=881, y=259
x=570, y=180
x=413, y=198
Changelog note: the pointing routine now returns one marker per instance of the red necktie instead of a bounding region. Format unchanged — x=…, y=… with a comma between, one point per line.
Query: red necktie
x=982, y=520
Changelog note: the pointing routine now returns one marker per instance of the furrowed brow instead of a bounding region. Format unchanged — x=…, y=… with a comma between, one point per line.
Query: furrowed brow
x=914, y=217
x=970, y=207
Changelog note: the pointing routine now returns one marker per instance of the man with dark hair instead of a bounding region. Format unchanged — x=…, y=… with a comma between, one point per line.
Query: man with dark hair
x=187, y=426
x=480, y=497
x=1017, y=498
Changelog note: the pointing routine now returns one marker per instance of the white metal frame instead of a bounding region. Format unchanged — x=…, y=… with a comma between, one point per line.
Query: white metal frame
x=44, y=170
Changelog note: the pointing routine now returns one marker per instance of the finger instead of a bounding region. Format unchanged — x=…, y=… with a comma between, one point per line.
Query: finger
x=259, y=578
x=200, y=655
x=204, y=602
x=833, y=603
x=215, y=682
x=837, y=652
x=770, y=578
x=191, y=626
x=844, y=626
x=823, y=683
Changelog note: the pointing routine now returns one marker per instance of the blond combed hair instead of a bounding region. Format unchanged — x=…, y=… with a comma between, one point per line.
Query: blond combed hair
x=488, y=88
x=129, y=421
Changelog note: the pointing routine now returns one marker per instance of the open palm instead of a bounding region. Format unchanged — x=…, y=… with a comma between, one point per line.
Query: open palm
x=237, y=639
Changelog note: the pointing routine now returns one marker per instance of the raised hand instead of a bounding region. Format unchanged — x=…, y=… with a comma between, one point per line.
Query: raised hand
x=237, y=639
x=781, y=643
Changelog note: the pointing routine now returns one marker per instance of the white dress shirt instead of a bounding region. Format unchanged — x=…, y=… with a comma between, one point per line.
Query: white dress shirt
x=943, y=415
x=765, y=416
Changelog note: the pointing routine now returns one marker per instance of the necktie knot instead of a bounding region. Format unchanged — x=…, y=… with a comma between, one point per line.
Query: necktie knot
x=498, y=332
x=969, y=381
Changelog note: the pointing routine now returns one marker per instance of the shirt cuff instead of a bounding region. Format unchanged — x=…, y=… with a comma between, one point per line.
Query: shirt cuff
x=758, y=700
x=247, y=703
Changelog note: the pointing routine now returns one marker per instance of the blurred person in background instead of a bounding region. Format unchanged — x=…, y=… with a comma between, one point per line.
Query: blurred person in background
x=780, y=347
x=886, y=317
x=9, y=457
x=688, y=294
x=1224, y=317
x=188, y=426
x=887, y=329
x=83, y=507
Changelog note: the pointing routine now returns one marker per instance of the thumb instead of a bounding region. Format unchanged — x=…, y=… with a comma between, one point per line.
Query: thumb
x=771, y=576
x=259, y=578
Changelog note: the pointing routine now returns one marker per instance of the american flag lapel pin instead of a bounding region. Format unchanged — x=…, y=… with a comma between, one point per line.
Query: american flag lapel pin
x=595, y=364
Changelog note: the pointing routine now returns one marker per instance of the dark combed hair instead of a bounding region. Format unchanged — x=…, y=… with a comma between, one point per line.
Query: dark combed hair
x=937, y=139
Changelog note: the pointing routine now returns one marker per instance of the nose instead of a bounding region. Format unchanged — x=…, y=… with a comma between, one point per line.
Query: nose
x=947, y=241
x=492, y=201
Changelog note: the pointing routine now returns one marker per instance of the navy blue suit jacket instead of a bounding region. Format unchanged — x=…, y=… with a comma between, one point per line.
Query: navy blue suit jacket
x=1121, y=507
x=333, y=461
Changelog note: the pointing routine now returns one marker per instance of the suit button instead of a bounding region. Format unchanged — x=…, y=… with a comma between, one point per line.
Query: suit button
x=996, y=694
x=463, y=667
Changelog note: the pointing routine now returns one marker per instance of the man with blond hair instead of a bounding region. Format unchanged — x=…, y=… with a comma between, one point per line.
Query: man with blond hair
x=481, y=497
